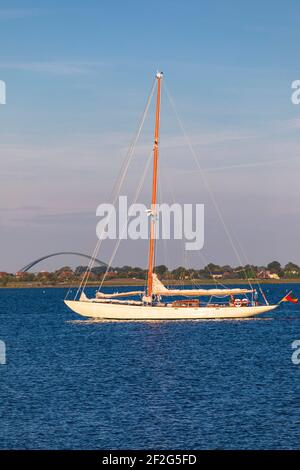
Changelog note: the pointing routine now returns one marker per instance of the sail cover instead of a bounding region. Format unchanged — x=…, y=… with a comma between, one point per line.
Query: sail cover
x=100, y=295
x=160, y=289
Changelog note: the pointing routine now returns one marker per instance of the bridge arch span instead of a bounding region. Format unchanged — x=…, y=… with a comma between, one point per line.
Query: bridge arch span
x=42, y=258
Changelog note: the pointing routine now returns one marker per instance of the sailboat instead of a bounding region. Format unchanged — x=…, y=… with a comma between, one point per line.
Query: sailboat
x=156, y=303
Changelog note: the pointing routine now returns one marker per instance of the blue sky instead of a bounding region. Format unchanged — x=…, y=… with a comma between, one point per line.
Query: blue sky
x=77, y=76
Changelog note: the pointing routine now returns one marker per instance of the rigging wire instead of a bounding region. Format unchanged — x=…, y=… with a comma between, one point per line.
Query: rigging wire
x=118, y=185
x=248, y=262
x=138, y=191
x=120, y=180
x=184, y=253
x=210, y=192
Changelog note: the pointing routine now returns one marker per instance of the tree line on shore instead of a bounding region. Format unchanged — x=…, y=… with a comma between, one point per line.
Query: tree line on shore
x=65, y=274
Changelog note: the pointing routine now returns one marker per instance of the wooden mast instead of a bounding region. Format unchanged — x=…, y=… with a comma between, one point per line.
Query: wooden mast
x=159, y=76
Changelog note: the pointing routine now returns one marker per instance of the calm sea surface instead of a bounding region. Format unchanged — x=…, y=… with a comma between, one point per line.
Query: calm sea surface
x=76, y=384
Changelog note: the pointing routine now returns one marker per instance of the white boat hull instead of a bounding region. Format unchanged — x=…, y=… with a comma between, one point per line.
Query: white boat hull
x=110, y=311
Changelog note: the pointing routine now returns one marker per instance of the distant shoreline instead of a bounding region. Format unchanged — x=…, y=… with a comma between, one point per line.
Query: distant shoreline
x=142, y=282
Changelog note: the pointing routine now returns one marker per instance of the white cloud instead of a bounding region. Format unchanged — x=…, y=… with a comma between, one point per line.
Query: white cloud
x=55, y=68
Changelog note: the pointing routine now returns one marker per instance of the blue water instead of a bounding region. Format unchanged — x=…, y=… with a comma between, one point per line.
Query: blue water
x=75, y=384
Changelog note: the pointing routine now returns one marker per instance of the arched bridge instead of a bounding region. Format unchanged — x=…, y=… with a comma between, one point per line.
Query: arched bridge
x=33, y=263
